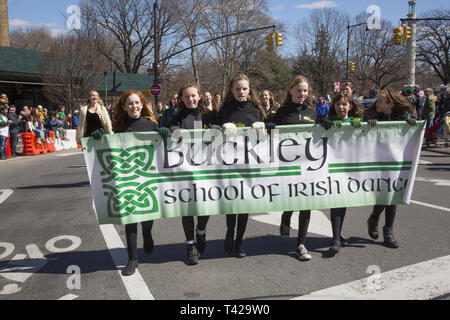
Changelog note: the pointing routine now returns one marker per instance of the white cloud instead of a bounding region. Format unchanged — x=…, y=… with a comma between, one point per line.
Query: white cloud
x=317, y=5
x=277, y=8
x=19, y=23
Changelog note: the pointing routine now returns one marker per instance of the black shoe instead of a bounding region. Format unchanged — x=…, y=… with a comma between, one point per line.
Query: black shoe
x=389, y=240
x=284, y=230
x=372, y=224
x=239, y=252
x=148, y=244
x=130, y=268
x=335, y=247
x=201, y=242
x=229, y=242
x=192, y=255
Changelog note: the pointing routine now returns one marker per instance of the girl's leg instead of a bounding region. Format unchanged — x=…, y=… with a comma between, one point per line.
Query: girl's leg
x=192, y=253
x=389, y=239
x=241, y=226
x=337, y=218
x=372, y=222
x=229, y=237
x=285, y=224
x=303, y=223
x=147, y=236
x=200, y=233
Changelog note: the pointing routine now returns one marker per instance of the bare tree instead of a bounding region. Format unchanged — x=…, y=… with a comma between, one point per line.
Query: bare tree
x=71, y=68
x=322, y=42
x=433, y=43
x=229, y=16
x=379, y=62
x=191, y=13
x=123, y=30
x=36, y=39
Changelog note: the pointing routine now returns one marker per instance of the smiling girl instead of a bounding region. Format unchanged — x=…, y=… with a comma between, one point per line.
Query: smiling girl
x=132, y=114
x=343, y=110
x=240, y=108
x=189, y=116
x=297, y=108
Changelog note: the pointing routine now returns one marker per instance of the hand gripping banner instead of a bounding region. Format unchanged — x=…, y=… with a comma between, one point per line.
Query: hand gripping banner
x=141, y=176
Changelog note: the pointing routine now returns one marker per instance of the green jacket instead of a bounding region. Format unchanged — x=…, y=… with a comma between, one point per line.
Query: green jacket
x=429, y=107
x=3, y=121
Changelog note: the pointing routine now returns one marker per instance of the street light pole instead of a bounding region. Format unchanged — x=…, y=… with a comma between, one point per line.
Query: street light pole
x=412, y=45
x=155, y=5
x=347, y=75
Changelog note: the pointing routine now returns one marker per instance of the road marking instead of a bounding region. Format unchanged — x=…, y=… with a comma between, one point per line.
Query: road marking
x=318, y=224
x=67, y=154
x=430, y=205
x=421, y=281
x=68, y=297
x=135, y=285
x=425, y=162
x=5, y=194
x=437, y=182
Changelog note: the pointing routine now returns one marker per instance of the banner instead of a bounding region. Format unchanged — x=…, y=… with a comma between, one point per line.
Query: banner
x=141, y=176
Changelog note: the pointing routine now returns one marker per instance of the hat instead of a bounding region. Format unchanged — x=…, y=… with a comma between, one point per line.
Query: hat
x=39, y=107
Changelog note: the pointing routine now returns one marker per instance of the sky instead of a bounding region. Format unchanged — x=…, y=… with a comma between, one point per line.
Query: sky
x=52, y=13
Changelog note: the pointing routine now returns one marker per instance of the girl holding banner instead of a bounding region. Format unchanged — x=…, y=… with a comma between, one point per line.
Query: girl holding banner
x=297, y=108
x=132, y=114
x=240, y=108
x=390, y=106
x=186, y=118
x=343, y=110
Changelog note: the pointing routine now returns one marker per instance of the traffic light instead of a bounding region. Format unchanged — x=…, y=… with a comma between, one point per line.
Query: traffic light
x=269, y=42
x=406, y=33
x=352, y=67
x=278, y=40
x=398, y=36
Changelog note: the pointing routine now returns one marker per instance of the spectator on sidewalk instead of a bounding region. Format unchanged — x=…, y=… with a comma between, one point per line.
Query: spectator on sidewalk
x=4, y=132
x=14, y=121
x=75, y=119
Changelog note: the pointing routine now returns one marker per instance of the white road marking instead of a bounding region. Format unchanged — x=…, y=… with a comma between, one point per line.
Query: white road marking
x=318, y=224
x=421, y=281
x=5, y=194
x=68, y=297
x=430, y=205
x=67, y=154
x=437, y=182
x=425, y=162
x=135, y=285
x=10, y=289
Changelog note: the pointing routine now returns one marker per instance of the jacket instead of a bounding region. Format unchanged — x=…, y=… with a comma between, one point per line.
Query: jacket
x=104, y=119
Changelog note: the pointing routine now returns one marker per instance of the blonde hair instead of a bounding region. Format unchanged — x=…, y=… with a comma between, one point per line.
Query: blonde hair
x=297, y=80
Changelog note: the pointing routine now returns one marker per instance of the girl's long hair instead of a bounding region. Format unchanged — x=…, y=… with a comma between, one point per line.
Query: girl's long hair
x=251, y=95
x=120, y=115
x=293, y=83
x=400, y=103
x=354, y=110
x=271, y=97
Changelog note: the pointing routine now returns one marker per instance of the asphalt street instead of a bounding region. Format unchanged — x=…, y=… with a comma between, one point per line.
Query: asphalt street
x=51, y=246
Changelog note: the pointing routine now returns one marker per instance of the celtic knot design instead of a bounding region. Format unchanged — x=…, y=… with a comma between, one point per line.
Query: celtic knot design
x=125, y=180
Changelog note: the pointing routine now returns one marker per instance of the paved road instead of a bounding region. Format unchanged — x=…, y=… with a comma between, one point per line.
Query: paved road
x=51, y=246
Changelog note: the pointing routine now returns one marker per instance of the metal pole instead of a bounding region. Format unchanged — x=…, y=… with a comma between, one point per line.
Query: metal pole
x=156, y=47
x=412, y=48
x=348, y=44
